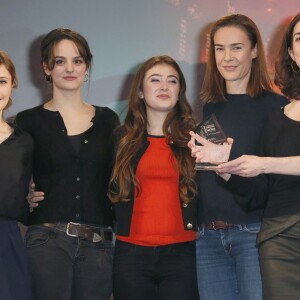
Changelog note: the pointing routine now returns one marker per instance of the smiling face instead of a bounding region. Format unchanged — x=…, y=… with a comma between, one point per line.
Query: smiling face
x=160, y=88
x=69, y=67
x=295, y=50
x=5, y=87
x=234, y=55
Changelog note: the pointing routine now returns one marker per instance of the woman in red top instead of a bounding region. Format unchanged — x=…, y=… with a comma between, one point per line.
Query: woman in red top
x=153, y=189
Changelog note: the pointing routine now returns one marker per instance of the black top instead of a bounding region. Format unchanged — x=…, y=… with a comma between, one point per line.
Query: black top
x=75, y=185
x=280, y=193
x=280, y=139
x=76, y=141
x=15, y=174
x=124, y=209
x=241, y=118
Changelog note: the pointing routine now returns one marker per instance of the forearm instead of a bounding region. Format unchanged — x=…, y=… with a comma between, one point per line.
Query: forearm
x=281, y=165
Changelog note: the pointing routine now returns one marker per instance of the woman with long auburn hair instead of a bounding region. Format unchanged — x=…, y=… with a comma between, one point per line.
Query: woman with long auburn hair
x=153, y=188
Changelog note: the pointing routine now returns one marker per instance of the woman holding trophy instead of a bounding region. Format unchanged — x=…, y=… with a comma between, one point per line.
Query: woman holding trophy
x=279, y=237
x=237, y=92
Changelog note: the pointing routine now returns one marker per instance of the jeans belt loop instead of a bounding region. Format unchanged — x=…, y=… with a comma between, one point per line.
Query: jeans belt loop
x=213, y=225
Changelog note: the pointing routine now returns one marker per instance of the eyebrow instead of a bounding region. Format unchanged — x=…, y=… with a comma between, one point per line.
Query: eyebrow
x=234, y=44
x=65, y=57
x=297, y=33
x=161, y=76
x=3, y=77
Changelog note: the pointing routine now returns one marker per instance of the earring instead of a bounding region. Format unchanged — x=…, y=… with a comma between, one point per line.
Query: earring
x=86, y=77
x=293, y=67
x=48, y=78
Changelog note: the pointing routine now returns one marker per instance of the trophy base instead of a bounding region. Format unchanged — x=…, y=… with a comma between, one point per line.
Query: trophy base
x=206, y=166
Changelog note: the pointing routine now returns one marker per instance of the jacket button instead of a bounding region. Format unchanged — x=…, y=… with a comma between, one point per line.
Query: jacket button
x=189, y=225
x=185, y=205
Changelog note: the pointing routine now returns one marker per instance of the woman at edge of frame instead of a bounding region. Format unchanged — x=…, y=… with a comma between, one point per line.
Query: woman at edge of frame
x=16, y=149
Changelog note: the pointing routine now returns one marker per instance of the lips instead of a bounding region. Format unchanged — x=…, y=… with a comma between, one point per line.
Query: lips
x=163, y=96
x=69, y=78
x=229, y=68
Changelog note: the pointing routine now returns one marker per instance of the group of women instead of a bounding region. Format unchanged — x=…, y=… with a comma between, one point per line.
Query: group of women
x=93, y=177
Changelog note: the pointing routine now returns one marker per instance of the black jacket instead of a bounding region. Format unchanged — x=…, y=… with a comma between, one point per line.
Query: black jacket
x=124, y=210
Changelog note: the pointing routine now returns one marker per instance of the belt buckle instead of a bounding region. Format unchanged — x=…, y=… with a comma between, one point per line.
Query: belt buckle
x=68, y=229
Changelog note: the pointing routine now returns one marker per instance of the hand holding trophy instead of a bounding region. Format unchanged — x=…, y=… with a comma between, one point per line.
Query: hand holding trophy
x=210, y=145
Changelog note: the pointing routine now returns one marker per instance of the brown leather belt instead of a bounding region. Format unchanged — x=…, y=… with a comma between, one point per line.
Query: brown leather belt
x=215, y=225
x=85, y=232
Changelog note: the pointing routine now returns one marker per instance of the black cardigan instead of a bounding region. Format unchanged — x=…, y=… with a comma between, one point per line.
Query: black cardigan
x=75, y=184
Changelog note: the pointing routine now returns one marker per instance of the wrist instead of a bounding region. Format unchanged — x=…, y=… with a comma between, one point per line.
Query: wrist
x=266, y=166
x=227, y=152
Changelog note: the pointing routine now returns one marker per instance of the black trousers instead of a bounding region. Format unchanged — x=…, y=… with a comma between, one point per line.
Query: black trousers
x=155, y=273
x=280, y=265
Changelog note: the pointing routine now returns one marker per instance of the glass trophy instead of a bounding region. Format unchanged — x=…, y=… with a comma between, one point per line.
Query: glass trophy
x=211, y=130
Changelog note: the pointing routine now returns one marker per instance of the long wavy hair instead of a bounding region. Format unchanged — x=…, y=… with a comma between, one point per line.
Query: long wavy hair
x=287, y=73
x=176, y=128
x=214, y=85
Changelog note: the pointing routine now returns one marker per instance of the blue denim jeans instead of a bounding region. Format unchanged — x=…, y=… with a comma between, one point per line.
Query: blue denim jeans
x=68, y=268
x=227, y=263
x=15, y=281
x=155, y=273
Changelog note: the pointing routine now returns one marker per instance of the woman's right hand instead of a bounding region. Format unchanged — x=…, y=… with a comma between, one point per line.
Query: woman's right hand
x=208, y=151
x=34, y=197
